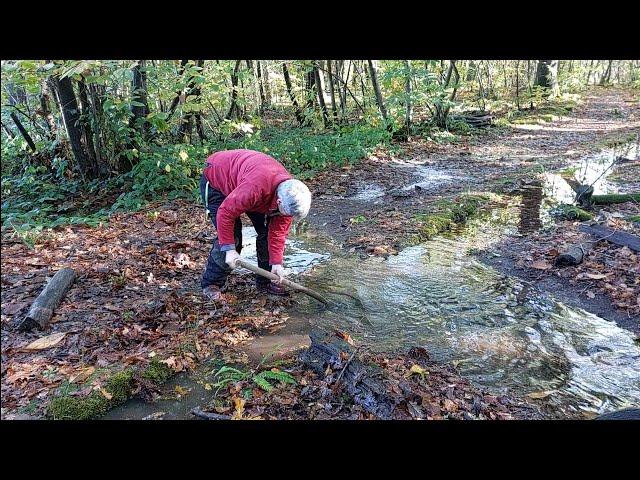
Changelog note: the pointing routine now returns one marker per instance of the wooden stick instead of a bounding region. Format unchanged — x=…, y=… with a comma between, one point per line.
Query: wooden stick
x=272, y=276
x=42, y=308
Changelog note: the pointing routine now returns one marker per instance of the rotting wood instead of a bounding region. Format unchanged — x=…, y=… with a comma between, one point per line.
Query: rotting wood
x=42, y=308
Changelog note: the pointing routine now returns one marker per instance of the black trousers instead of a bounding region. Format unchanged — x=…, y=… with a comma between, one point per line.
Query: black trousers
x=217, y=270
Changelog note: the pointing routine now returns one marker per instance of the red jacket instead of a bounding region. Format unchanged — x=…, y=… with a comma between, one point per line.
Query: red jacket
x=249, y=180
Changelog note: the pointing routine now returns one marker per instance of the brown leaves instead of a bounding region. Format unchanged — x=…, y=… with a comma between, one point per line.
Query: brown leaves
x=345, y=336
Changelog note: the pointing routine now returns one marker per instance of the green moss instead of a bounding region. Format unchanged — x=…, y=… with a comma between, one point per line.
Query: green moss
x=96, y=404
x=635, y=218
x=615, y=198
x=157, y=372
x=572, y=212
x=447, y=214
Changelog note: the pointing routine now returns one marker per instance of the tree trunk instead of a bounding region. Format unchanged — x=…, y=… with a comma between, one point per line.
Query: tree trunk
x=46, y=110
x=139, y=105
x=617, y=237
x=8, y=130
x=23, y=131
x=267, y=85
x=263, y=100
x=376, y=89
x=518, y=84
x=334, y=108
x=287, y=81
x=85, y=119
x=176, y=100
x=71, y=116
x=323, y=105
x=547, y=75
x=606, y=75
x=329, y=353
x=407, y=91
x=198, y=116
x=42, y=308
x=234, y=110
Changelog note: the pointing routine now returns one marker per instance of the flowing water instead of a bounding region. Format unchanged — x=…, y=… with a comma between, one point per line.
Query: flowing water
x=501, y=332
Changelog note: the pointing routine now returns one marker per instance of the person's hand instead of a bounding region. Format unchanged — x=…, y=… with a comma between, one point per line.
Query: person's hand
x=231, y=258
x=279, y=271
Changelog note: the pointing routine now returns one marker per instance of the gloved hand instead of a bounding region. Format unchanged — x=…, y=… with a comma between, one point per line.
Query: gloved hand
x=231, y=258
x=278, y=270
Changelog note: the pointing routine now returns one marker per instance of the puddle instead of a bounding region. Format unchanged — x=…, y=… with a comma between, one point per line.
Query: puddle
x=430, y=177
x=369, y=192
x=297, y=259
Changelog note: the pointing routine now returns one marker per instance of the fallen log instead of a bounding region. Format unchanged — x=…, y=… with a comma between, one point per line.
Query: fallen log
x=42, y=308
x=615, y=198
x=617, y=237
x=574, y=255
x=333, y=358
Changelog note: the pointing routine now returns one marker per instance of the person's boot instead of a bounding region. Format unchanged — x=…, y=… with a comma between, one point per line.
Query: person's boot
x=212, y=292
x=272, y=289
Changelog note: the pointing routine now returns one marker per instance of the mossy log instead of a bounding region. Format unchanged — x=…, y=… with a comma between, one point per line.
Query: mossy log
x=572, y=212
x=42, y=308
x=615, y=198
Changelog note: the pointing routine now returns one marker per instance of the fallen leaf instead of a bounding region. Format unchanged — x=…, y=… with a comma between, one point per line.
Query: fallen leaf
x=595, y=276
x=82, y=375
x=418, y=370
x=106, y=394
x=591, y=294
x=46, y=342
x=181, y=390
x=541, y=265
x=450, y=406
x=539, y=395
x=14, y=308
x=238, y=403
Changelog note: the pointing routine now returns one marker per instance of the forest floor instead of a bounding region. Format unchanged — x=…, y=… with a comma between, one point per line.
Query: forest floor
x=137, y=296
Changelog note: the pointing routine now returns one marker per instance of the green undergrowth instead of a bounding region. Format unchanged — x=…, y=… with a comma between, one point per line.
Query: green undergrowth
x=571, y=212
x=35, y=198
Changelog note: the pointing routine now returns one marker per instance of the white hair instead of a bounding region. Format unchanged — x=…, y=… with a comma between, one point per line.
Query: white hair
x=295, y=198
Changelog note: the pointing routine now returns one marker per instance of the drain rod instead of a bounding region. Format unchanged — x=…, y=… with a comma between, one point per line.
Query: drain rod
x=272, y=276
